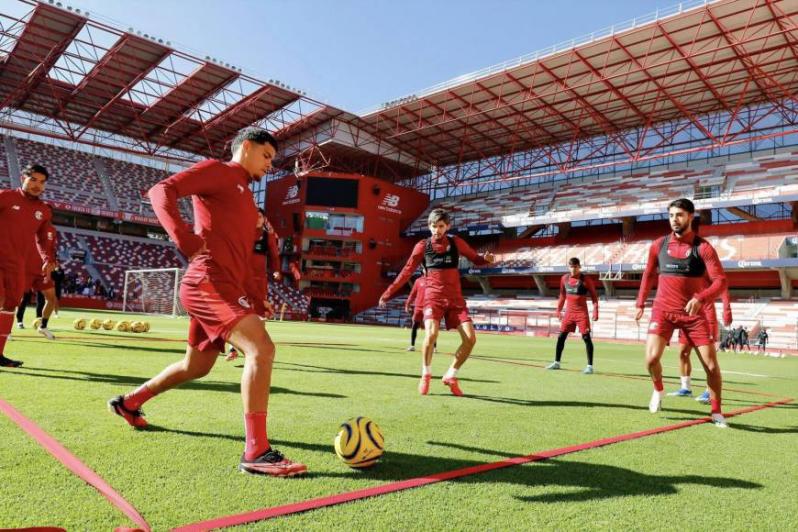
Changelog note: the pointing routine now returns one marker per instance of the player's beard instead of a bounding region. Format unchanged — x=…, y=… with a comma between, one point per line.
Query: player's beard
x=679, y=230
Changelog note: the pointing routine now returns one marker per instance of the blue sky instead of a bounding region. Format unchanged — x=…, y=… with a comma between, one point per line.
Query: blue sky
x=358, y=54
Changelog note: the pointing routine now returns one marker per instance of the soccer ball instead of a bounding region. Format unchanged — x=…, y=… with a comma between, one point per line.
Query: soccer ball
x=36, y=323
x=123, y=326
x=359, y=443
x=95, y=324
x=79, y=324
x=146, y=326
x=137, y=327
x=109, y=325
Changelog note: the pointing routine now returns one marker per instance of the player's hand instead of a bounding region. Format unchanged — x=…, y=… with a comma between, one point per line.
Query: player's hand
x=268, y=309
x=727, y=319
x=490, y=257
x=559, y=315
x=692, y=307
x=595, y=316
x=278, y=276
x=48, y=267
x=638, y=314
x=383, y=302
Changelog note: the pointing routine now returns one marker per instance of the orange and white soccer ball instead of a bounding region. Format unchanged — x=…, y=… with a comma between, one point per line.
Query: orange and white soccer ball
x=359, y=442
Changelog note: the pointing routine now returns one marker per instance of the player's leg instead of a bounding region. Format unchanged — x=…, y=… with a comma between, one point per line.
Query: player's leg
x=23, y=305
x=584, y=329
x=655, y=346
x=709, y=360
x=431, y=329
x=685, y=368
x=413, y=334
x=10, y=294
x=468, y=339
x=566, y=326
x=47, y=300
x=250, y=337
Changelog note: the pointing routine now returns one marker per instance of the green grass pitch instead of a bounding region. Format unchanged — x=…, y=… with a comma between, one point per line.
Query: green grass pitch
x=184, y=470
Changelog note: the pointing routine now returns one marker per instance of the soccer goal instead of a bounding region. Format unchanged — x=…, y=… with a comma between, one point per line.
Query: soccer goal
x=153, y=292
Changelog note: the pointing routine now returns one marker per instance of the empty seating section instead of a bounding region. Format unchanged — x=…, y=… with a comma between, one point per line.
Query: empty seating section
x=73, y=178
x=762, y=176
x=130, y=183
x=736, y=247
x=393, y=314
x=295, y=301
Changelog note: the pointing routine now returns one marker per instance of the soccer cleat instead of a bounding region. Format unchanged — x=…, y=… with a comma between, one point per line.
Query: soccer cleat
x=553, y=365
x=410, y=348
x=8, y=363
x=272, y=463
x=20, y=325
x=588, y=370
x=655, y=404
x=719, y=421
x=44, y=331
x=134, y=418
x=453, y=385
x=703, y=398
x=423, y=384
x=681, y=392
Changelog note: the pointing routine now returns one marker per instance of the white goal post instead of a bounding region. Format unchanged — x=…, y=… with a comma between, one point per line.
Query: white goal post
x=153, y=292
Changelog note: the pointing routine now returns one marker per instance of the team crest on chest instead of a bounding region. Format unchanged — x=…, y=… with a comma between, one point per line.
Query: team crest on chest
x=39, y=215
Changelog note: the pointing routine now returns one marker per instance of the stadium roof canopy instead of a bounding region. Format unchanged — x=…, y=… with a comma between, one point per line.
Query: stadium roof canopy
x=676, y=66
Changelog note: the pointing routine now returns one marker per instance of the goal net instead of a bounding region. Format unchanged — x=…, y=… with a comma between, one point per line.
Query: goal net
x=153, y=292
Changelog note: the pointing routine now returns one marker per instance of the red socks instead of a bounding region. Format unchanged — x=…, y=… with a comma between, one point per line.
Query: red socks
x=6, y=322
x=255, y=427
x=138, y=397
x=715, y=406
x=658, y=385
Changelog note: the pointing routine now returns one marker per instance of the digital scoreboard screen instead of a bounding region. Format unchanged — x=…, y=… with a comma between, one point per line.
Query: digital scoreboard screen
x=330, y=192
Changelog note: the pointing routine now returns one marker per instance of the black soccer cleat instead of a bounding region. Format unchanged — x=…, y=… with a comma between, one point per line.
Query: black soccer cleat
x=8, y=363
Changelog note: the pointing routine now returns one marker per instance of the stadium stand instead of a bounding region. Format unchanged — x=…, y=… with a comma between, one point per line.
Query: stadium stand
x=130, y=183
x=296, y=302
x=5, y=180
x=393, y=314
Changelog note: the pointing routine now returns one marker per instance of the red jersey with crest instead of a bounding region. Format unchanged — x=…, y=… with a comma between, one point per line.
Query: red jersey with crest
x=23, y=217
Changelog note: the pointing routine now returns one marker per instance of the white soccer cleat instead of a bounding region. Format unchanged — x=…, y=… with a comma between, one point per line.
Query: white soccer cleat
x=20, y=325
x=719, y=421
x=410, y=348
x=553, y=365
x=655, y=405
x=44, y=331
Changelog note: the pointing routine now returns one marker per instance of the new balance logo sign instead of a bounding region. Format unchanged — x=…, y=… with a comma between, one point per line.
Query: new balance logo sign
x=390, y=203
x=291, y=195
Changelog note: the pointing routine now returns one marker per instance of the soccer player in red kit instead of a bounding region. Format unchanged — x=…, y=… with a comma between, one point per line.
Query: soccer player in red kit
x=416, y=300
x=265, y=244
x=22, y=215
x=443, y=298
x=686, y=347
x=574, y=289
x=36, y=282
x=218, y=290
x=683, y=260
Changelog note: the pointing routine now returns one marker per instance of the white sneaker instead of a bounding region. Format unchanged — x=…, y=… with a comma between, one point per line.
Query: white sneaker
x=719, y=421
x=410, y=348
x=655, y=404
x=44, y=331
x=20, y=325
x=553, y=365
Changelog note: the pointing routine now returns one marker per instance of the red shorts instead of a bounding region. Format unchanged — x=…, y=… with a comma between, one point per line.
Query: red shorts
x=714, y=331
x=455, y=313
x=215, y=308
x=39, y=283
x=695, y=328
x=12, y=286
x=572, y=321
x=418, y=316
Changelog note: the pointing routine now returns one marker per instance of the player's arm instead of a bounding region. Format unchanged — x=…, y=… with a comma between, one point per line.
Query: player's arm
x=412, y=297
x=256, y=290
x=649, y=274
x=405, y=274
x=45, y=242
x=561, y=299
x=591, y=288
x=717, y=278
x=727, y=311
x=202, y=178
x=274, y=254
x=468, y=252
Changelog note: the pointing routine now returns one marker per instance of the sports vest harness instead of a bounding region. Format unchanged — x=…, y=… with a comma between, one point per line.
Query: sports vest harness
x=447, y=260
x=690, y=266
x=577, y=290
